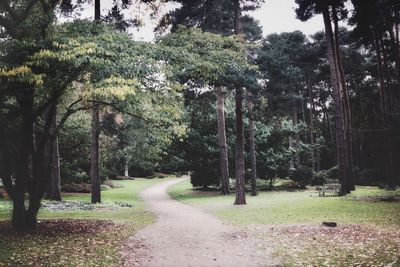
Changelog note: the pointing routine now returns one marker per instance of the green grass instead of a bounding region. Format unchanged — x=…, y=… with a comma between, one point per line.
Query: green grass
x=270, y=208
x=82, y=249
x=129, y=193
x=289, y=222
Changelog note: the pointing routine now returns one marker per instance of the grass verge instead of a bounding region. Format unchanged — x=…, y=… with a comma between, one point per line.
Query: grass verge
x=368, y=232
x=78, y=237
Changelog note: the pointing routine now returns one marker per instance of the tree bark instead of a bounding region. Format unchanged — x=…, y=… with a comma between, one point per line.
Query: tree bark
x=95, y=132
x=25, y=152
x=94, y=155
x=297, y=138
x=126, y=172
x=5, y=173
x=253, y=158
x=239, y=153
x=53, y=158
x=97, y=10
x=387, y=141
x=348, y=122
x=223, y=148
x=337, y=103
x=312, y=129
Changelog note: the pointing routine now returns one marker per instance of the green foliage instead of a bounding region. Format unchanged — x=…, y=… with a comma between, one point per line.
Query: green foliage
x=204, y=59
x=326, y=176
x=302, y=175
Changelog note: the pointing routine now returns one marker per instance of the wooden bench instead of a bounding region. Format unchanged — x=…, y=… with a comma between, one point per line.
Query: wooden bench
x=328, y=190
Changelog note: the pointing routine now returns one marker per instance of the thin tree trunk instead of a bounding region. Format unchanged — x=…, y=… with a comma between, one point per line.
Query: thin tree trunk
x=312, y=130
x=239, y=153
x=53, y=158
x=126, y=172
x=291, y=163
x=253, y=158
x=95, y=132
x=348, y=122
x=297, y=138
x=94, y=155
x=337, y=102
x=223, y=148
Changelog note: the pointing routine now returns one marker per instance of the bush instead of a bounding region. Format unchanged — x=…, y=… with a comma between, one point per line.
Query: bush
x=320, y=178
x=204, y=178
x=76, y=188
x=326, y=176
x=105, y=187
x=112, y=184
x=302, y=175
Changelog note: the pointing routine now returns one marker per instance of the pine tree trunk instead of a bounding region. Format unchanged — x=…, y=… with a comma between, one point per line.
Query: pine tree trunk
x=253, y=158
x=94, y=155
x=312, y=129
x=95, y=132
x=348, y=122
x=239, y=148
x=387, y=141
x=337, y=103
x=297, y=138
x=223, y=148
x=97, y=10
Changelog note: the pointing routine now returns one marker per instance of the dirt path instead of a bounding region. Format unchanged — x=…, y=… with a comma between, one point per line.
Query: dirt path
x=186, y=236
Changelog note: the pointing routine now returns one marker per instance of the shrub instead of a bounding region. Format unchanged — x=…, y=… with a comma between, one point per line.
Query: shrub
x=76, y=188
x=326, y=176
x=105, y=187
x=302, y=175
x=204, y=178
x=112, y=184
x=319, y=178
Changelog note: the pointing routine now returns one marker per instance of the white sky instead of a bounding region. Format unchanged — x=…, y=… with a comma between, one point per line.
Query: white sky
x=277, y=16
x=274, y=16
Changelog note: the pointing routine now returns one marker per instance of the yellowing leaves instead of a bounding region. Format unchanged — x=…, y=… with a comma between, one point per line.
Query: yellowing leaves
x=115, y=87
x=18, y=71
x=22, y=74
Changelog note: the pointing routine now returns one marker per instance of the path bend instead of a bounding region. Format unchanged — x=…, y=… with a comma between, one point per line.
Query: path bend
x=185, y=236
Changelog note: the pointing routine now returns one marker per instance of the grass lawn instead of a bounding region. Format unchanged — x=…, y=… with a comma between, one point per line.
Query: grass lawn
x=79, y=237
x=368, y=232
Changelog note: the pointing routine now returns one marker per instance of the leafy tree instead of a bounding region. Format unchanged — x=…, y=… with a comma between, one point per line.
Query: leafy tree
x=206, y=59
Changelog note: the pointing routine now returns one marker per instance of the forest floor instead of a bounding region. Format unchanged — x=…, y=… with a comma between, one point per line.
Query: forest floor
x=187, y=236
x=368, y=231
x=75, y=232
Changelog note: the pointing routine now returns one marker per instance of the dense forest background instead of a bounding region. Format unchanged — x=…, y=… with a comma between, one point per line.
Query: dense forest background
x=81, y=101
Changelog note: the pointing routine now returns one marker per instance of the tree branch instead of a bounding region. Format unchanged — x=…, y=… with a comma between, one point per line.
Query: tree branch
x=119, y=109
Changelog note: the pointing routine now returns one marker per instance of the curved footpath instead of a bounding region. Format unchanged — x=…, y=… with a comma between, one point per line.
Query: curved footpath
x=186, y=236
